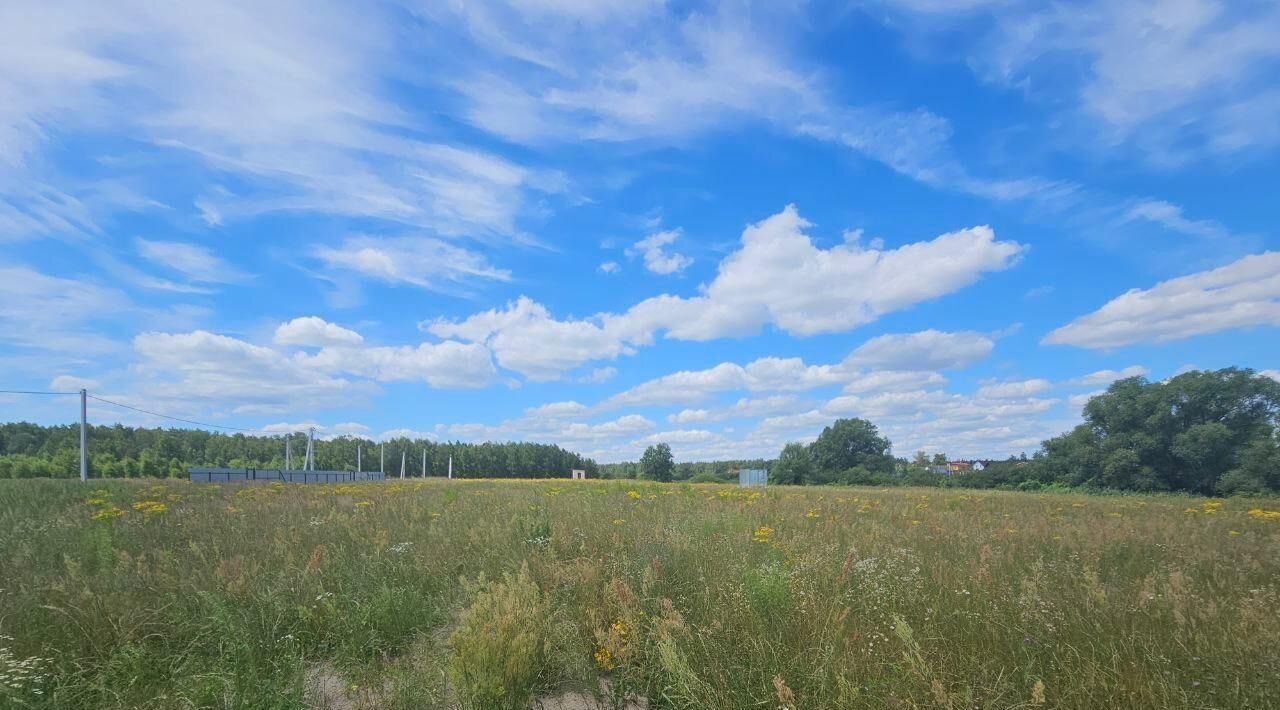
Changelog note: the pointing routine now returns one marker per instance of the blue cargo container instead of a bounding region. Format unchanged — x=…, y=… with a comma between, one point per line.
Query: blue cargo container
x=753, y=476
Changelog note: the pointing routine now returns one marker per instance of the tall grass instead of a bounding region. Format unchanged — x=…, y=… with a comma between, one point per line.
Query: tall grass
x=484, y=594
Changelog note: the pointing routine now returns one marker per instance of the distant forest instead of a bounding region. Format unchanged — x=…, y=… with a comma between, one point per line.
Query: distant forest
x=30, y=451
x=1204, y=432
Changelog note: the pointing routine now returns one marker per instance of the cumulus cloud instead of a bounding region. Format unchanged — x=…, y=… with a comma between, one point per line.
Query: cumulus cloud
x=1106, y=377
x=1244, y=293
x=744, y=407
x=1013, y=390
x=610, y=267
x=925, y=350
x=599, y=375
x=312, y=331
x=844, y=287
x=69, y=383
x=772, y=374
x=219, y=370
x=449, y=365
x=656, y=258
x=890, y=380
x=525, y=338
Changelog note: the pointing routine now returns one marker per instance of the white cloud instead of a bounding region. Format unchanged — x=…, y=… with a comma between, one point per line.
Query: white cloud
x=52, y=314
x=656, y=258
x=599, y=375
x=1013, y=390
x=231, y=374
x=1170, y=76
x=845, y=286
x=610, y=267
x=70, y=383
x=417, y=261
x=744, y=407
x=1077, y=401
x=1273, y=374
x=525, y=338
x=193, y=261
x=557, y=410
x=1170, y=215
x=1242, y=294
x=691, y=416
x=893, y=380
x=403, y=433
x=203, y=366
x=1106, y=377
x=448, y=365
x=925, y=350
x=291, y=98
x=312, y=331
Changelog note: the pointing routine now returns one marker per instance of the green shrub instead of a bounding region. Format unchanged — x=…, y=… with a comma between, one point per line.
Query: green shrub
x=501, y=643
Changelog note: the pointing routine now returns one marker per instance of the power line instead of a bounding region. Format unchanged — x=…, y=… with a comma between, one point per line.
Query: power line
x=178, y=419
x=33, y=392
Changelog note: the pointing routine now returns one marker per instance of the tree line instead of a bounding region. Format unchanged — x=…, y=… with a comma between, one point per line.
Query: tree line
x=30, y=450
x=1203, y=432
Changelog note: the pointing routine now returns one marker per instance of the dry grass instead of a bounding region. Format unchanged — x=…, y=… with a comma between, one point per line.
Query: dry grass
x=488, y=594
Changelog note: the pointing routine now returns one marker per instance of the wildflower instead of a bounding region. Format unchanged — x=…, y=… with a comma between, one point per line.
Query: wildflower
x=618, y=521
x=1260, y=514
x=915, y=522
x=762, y=534
x=813, y=513
x=108, y=513
x=1233, y=533
x=1212, y=506
x=633, y=495
x=365, y=504
x=150, y=507
x=604, y=659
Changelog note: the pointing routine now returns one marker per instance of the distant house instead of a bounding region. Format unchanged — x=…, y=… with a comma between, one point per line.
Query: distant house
x=940, y=469
x=954, y=467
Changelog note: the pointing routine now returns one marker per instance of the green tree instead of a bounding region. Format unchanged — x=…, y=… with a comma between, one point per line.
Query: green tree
x=657, y=463
x=794, y=466
x=849, y=443
x=1202, y=432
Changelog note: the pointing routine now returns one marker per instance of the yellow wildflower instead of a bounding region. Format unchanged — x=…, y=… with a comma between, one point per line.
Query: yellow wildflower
x=108, y=513
x=604, y=659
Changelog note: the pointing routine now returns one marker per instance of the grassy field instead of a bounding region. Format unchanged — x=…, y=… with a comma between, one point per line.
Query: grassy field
x=487, y=594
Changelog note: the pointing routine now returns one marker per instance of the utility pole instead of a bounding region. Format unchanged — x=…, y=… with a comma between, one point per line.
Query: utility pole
x=450, y=466
x=288, y=451
x=84, y=435
x=358, y=467
x=402, y=455
x=382, y=459
x=311, y=449
x=424, y=463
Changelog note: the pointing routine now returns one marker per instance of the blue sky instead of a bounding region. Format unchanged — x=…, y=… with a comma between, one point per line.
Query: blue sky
x=606, y=224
